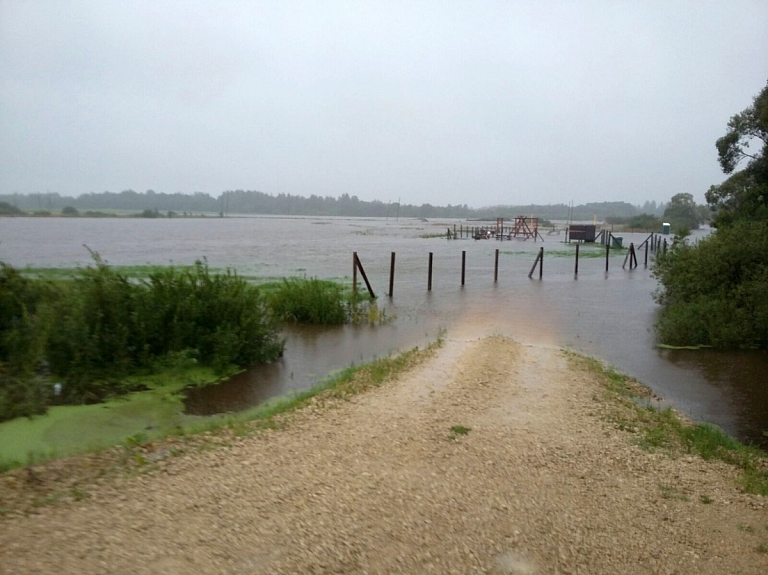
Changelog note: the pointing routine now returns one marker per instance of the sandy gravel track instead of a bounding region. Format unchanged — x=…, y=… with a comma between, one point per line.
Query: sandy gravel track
x=380, y=484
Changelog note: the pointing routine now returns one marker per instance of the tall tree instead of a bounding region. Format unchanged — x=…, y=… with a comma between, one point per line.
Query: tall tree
x=681, y=212
x=745, y=194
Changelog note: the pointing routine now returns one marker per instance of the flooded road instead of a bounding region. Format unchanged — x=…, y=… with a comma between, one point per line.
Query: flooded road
x=609, y=316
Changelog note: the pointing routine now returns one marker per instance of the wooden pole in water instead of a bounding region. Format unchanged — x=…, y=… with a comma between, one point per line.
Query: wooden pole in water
x=535, y=263
x=392, y=275
x=541, y=262
x=365, y=277
x=429, y=273
x=645, y=263
x=576, y=268
x=354, y=272
x=665, y=247
x=463, y=265
x=496, y=267
x=607, y=253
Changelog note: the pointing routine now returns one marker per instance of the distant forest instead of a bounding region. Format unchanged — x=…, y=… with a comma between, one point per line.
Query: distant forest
x=253, y=202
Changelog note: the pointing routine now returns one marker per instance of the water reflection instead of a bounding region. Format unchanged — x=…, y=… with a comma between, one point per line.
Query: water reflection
x=740, y=377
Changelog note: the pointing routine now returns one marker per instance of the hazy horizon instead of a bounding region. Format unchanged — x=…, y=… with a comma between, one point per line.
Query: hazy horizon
x=483, y=104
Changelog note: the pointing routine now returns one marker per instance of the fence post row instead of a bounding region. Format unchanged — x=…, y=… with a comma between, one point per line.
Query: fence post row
x=631, y=257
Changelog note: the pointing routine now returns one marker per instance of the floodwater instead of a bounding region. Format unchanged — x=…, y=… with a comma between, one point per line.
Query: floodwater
x=608, y=316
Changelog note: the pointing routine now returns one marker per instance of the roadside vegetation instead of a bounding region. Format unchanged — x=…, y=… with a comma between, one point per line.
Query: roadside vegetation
x=89, y=334
x=715, y=292
x=630, y=408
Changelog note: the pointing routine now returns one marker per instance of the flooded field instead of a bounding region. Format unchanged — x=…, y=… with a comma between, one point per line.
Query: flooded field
x=609, y=316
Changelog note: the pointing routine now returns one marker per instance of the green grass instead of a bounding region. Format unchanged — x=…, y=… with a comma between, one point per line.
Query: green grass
x=131, y=271
x=321, y=302
x=460, y=430
x=669, y=492
x=664, y=429
x=585, y=251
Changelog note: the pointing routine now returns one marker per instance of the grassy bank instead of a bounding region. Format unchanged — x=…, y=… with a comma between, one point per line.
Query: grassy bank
x=629, y=408
x=69, y=478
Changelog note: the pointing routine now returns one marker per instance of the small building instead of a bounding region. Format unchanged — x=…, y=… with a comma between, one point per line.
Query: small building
x=665, y=228
x=582, y=233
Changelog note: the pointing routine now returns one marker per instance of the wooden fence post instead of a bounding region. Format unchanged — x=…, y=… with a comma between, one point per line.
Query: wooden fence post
x=463, y=265
x=496, y=267
x=392, y=275
x=354, y=273
x=429, y=274
x=576, y=268
x=359, y=266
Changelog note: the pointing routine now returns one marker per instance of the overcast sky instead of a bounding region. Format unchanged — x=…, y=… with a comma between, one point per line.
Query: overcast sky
x=443, y=102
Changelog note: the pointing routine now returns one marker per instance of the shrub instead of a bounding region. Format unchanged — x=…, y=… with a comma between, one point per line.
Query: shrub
x=310, y=301
x=716, y=292
x=102, y=326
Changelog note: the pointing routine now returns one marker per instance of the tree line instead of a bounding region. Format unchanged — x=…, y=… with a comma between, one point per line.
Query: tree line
x=255, y=202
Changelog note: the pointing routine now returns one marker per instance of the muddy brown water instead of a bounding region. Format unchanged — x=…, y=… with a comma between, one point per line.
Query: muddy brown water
x=609, y=316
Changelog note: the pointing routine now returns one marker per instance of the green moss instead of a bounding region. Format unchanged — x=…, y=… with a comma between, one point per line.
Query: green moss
x=70, y=429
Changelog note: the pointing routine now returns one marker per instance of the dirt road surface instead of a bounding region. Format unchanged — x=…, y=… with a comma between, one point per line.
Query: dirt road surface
x=540, y=483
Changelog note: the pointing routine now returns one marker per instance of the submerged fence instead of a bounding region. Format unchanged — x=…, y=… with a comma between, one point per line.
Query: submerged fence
x=652, y=244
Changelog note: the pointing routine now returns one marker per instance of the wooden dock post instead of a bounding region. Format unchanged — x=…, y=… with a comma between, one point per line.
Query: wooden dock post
x=576, y=268
x=392, y=275
x=429, y=273
x=664, y=251
x=463, y=265
x=607, y=253
x=496, y=267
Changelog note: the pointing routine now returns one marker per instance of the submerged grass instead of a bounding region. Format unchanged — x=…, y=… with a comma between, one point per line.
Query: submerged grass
x=664, y=429
x=585, y=251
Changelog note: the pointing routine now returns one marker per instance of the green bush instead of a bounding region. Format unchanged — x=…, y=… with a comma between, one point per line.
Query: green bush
x=101, y=326
x=311, y=301
x=716, y=292
x=221, y=316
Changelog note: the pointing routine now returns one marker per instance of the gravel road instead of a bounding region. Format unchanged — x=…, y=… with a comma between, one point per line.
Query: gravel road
x=541, y=483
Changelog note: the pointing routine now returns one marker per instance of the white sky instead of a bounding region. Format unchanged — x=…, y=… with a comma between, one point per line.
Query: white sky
x=443, y=102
